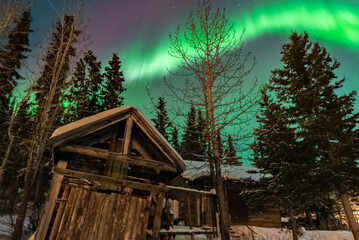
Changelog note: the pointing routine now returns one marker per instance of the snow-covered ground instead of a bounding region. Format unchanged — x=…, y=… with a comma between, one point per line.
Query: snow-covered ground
x=285, y=234
x=241, y=232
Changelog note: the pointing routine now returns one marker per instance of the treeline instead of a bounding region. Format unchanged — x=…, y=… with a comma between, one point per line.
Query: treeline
x=192, y=141
x=56, y=97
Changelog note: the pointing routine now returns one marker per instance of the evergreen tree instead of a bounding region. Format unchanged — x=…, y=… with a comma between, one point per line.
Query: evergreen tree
x=277, y=154
x=202, y=134
x=175, y=139
x=189, y=138
x=327, y=121
x=11, y=57
x=113, y=89
x=322, y=125
x=220, y=145
x=162, y=122
x=231, y=153
x=95, y=82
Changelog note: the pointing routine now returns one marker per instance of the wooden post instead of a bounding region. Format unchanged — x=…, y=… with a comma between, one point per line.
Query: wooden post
x=50, y=203
x=158, y=216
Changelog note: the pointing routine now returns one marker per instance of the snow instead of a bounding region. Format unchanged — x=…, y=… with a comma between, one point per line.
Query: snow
x=285, y=234
x=198, y=169
x=258, y=233
x=88, y=120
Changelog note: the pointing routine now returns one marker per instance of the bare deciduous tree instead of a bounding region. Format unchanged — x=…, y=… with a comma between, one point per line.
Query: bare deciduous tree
x=210, y=56
x=50, y=87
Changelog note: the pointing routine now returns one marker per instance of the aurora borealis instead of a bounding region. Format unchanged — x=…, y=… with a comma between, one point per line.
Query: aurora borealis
x=138, y=31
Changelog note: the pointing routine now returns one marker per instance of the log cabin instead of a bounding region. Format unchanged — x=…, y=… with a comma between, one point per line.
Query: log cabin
x=109, y=176
x=197, y=209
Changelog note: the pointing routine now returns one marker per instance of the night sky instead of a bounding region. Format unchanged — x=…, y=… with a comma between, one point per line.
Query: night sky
x=138, y=30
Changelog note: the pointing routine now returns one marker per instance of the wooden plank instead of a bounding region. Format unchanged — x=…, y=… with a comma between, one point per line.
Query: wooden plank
x=127, y=136
x=104, y=215
x=131, y=213
x=90, y=216
x=106, y=179
x=50, y=203
x=105, y=154
x=64, y=218
x=72, y=214
x=158, y=216
x=147, y=215
x=137, y=145
x=60, y=213
x=109, y=224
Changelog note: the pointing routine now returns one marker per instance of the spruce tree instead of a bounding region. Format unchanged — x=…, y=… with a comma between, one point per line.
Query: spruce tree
x=323, y=123
x=189, y=138
x=231, y=153
x=175, y=139
x=327, y=121
x=202, y=134
x=113, y=89
x=95, y=84
x=11, y=57
x=162, y=122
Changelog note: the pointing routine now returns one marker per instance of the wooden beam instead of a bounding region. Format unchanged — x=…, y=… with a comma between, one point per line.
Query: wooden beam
x=50, y=203
x=140, y=148
x=105, y=154
x=106, y=179
x=157, y=216
x=127, y=136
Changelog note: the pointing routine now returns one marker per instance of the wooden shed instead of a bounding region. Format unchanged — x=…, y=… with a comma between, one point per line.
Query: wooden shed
x=196, y=209
x=109, y=177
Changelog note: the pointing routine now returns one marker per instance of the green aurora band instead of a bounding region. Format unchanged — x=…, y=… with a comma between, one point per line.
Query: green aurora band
x=333, y=22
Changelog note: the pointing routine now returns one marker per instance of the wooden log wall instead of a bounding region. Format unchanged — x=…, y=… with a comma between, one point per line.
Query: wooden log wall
x=87, y=215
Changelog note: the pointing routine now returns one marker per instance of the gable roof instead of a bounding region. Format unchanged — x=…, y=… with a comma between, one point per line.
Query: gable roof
x=199, y=169
x=110, y=117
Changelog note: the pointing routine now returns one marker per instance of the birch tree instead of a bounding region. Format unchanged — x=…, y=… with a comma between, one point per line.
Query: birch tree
x=210, y=56
x=49, y=89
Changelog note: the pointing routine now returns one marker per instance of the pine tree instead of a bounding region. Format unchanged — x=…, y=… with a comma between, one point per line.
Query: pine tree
x=113, y=89
x=202, y=136
x=189, y=138
x=322, y=124
x=95, y=84
x=175, y=139
x=231, y=153
x=11, y=57
x=277, y=154
x=326, y=120
x=162, y=122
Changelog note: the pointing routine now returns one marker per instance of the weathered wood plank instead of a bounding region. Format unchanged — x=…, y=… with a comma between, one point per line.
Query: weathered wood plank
x=157, y=217
x=127, y=136
x=105, y=154
x=50, y=203
x=90, y=217
x=60, y=212
x=106, y=179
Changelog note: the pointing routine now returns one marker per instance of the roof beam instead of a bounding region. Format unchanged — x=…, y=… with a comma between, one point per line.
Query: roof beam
x=105, y=154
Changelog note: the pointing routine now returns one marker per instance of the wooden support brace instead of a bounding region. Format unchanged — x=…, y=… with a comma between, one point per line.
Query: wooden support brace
x=158, y=216
x=104, y=154
x=106, y=179
x=50, y=203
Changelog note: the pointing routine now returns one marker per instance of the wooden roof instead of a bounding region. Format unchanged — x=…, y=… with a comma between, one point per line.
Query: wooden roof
x=104, y=120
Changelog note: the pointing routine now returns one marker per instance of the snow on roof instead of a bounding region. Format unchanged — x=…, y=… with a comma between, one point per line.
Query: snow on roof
x=109, y=117
x=198, y=169
x=88, y=120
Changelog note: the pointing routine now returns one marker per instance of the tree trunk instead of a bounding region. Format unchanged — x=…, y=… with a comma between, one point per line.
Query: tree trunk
x=222, y=201
x=308, y=215
x=17, y=232
x=354, y=226
x=293, y=222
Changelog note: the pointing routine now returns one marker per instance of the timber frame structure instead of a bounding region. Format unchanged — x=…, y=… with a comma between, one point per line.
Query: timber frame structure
x=109, y=176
